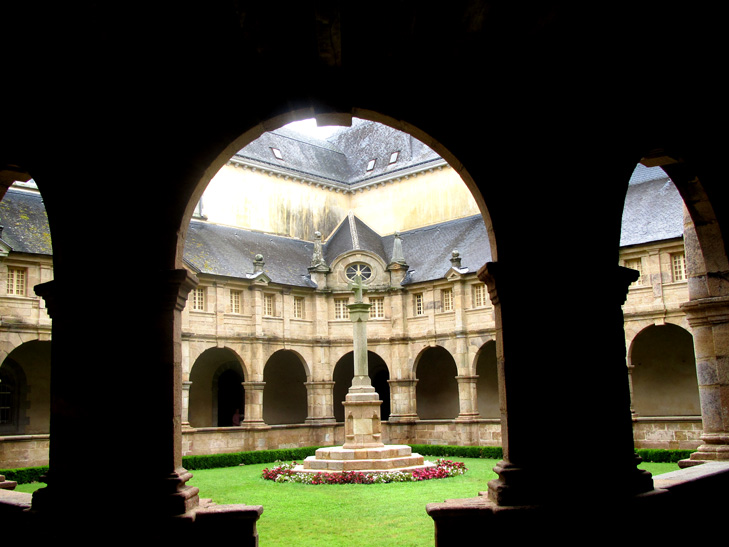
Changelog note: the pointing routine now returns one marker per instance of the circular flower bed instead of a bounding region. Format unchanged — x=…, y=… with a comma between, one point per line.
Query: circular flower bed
x=443, y=469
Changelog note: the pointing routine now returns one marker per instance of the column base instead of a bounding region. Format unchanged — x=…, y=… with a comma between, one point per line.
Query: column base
x=517, y=486
x=575, y=521
x=716, y=449
x=468, y=417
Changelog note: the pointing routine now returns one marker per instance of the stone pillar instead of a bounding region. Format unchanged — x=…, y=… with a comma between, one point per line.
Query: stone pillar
x=709, y=320
x=532, y=387
x=708, y=315
x=253, y=413
x=402, y=400
x=186, y=404
x=320, y=396
x=84, y=395
x=467, y=398
x=362, y=421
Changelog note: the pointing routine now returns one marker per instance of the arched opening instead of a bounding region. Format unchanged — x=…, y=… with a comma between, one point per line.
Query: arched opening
x=671, y=240
x=437, y=387
x=284, y=395
x=216, y=389
x=487, y=384
x=25, y=376
x=275, y=231
x=664, y=372
x=344, y=373
x=231, y=397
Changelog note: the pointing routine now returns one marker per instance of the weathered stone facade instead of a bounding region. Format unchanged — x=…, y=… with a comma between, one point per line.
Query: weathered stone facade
x=543, y=109
x=278, y=351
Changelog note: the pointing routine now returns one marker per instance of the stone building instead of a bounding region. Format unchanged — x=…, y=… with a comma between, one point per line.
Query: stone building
x=521, y=100
x=266, y=332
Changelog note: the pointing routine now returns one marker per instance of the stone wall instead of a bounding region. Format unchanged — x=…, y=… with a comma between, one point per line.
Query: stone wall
x=24, y=451
x=680, y=433
x=675, y=433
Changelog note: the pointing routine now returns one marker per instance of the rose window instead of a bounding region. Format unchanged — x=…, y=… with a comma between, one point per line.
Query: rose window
x=363, y=270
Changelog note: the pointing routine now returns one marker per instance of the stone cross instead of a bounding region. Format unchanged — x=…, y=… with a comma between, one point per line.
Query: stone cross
x=358, y=287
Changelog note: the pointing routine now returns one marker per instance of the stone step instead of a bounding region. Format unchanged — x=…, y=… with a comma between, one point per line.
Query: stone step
x=413, y=461
x=384, y=452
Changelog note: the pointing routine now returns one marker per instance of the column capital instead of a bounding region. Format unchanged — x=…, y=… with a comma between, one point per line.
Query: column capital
x=625, y=276
x=173, y=287
x=489, y=274
x=47, y=292
x=707, y=311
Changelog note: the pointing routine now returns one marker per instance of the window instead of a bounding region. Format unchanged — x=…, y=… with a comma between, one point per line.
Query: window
x=363, y=270
x=268, y=308
x=371, y=165
x=377, y=310
x=479, y=295
x=16, y=281
x=277, y=153
x=394, y=156
x=198, y=299
x=341, y=311
x=447, y=299
x=298, y=307
x=636, y=264
x=235, y=300
x=678, y=265
x=418, y=302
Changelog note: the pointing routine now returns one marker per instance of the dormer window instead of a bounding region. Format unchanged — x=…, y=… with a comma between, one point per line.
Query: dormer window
x=371, y=165
x=277, y=153
x=393, y=157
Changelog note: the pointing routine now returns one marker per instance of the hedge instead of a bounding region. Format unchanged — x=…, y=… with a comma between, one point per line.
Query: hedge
x=246, y=458
x=25, y=475
x=34, y=474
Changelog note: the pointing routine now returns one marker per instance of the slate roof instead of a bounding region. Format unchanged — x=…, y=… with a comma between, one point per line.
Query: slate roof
x=653, y=208
x=343, y=157
x=342, y=240
x=653, y=212
x=25, y=223
x=228, y=251
x=427, y=251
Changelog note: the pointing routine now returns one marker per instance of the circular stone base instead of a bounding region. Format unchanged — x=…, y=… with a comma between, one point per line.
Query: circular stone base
x=337, y=459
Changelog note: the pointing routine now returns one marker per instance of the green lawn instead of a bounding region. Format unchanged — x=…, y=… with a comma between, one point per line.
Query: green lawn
x=344, y=515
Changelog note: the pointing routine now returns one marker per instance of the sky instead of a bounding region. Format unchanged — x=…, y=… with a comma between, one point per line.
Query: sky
x=308, y=127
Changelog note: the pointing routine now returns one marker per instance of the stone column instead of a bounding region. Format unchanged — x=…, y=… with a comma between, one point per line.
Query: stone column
x=253, y=413
x=402, y=400
x=531, y=389
x=709, y=320
x=320, y=398
x=84, y=396
x=708, y=315
x=467, y=398
x=186, y=404
x=362, y=422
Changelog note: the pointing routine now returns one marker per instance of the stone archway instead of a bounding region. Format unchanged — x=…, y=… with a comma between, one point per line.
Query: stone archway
x=28, y=410
x=437, y=387
x=284, y=393
x=664, y=372
x=707, y=311
x=216, y=389
x=487, y=385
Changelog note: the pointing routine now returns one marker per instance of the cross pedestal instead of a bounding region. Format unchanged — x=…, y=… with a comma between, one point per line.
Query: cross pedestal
x=363, y=449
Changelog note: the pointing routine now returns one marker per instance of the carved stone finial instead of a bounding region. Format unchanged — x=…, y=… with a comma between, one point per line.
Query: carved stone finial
x=397, y=254
x=258, y=263
x=456, y=258
x=317, y=259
